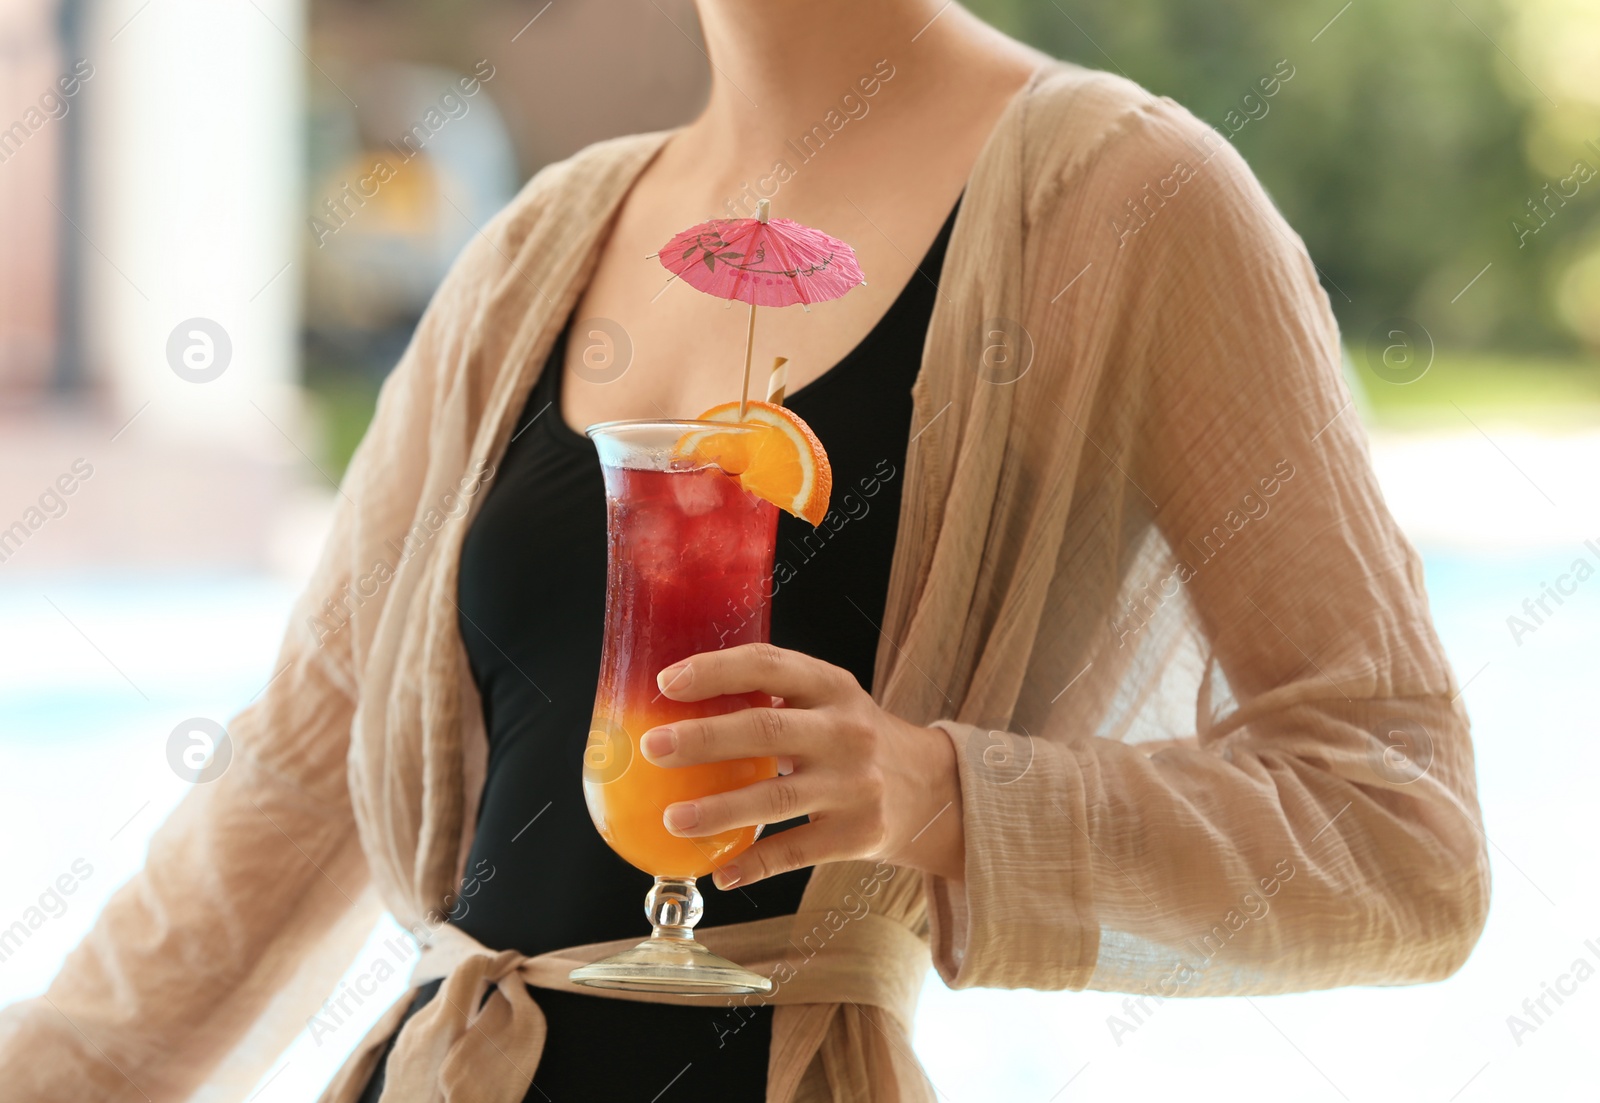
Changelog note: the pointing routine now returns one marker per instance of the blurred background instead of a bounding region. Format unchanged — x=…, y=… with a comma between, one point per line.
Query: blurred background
x=219, y=222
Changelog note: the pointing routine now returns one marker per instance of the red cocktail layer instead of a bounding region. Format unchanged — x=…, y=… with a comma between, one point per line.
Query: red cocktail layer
x=690, y=570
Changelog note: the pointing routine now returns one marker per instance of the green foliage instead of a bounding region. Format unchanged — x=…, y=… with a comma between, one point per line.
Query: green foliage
x=1491, y=389
x=344, y=404
x=1395, y=150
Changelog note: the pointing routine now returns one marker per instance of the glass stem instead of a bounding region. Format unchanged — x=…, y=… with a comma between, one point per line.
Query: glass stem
x=673, y=905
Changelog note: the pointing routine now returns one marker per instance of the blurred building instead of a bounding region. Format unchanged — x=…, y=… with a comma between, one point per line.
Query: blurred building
x=222, y=221
x=154, y=175
x=546, y=79
x=33, y=122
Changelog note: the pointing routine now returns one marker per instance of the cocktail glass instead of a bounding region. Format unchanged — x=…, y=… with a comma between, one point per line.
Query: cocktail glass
x=690, y=557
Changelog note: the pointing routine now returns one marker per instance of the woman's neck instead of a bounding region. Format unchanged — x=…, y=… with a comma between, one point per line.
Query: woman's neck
x=776, y=65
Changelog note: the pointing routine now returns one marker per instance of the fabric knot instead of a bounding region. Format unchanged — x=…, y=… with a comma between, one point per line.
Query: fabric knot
x=479, y=1038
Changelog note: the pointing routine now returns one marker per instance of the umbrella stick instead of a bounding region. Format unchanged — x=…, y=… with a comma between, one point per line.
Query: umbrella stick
x=749, y=347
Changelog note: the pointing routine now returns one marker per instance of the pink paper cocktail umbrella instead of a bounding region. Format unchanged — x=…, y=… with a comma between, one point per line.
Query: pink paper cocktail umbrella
x=762, y=261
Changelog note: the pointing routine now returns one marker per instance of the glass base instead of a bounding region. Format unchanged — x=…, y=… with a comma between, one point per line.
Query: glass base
x=670, y=960
x=679, y=965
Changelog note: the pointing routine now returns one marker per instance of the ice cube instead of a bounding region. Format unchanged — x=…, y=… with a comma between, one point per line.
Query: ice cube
x=697, y=494
x=651, y=540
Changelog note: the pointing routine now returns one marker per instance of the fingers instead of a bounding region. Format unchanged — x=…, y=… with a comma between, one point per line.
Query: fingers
x=771, y=801
x=747, y=733
x=802, y=681
x=796, y=848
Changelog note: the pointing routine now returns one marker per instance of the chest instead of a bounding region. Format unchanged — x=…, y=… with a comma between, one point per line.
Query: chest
x=646, y=345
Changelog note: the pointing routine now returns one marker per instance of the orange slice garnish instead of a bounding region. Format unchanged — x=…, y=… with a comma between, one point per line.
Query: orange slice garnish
x=786, y=464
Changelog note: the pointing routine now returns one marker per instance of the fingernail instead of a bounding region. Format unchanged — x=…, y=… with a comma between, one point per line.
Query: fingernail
x=728, y=876
x=681, y=817
x=673, y=677
x=658, y=742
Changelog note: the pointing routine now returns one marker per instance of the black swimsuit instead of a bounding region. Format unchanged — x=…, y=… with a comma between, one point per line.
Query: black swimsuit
x=532, y=598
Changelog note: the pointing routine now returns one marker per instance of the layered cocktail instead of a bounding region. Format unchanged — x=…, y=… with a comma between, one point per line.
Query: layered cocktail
x=689, y=570
x=692, y=522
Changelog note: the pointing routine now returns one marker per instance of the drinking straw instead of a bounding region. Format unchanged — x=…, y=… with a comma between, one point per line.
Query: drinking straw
x=778, y=381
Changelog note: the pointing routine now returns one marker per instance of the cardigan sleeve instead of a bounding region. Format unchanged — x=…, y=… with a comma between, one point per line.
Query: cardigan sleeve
x=1317, y=825
x=252, y=870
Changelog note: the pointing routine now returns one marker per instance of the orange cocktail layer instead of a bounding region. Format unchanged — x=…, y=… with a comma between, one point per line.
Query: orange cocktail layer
x=627, y=810
x=690, y=569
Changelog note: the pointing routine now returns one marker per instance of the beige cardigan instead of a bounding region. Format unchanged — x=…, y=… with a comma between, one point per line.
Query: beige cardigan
x=1144, y=578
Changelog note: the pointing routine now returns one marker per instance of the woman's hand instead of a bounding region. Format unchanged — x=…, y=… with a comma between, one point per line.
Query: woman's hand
x=874, y=785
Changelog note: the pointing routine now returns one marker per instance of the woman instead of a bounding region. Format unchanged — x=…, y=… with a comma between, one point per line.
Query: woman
x=1155, y=701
